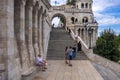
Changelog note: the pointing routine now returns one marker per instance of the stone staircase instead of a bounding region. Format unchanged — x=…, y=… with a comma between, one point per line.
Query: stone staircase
x=59, y=39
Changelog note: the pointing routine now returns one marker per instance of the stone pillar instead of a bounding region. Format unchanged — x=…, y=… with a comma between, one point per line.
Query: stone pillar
x=28, y=33
x=87, y=38
x=84, y=36
x=8, y=46
x=19, y=24
x=94, y=38
x=35, y=30
x=40, y=31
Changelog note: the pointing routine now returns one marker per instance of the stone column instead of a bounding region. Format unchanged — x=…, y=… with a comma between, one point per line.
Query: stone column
x=35, y=30
x=94, y=38
x=87, y=39
x=8, y=45
x=28, y=31
x=19, y=24
x=40, y=31
x=84, y=36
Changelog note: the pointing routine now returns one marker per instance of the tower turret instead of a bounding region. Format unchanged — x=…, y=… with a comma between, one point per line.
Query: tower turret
x=84, y=4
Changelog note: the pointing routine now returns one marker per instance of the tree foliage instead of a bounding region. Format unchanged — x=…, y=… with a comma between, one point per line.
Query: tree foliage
x=108, y=45
x=71, y=2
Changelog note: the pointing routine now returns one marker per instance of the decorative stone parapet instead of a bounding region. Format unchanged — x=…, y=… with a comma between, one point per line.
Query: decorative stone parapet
x=105, y=62
x=96, y=58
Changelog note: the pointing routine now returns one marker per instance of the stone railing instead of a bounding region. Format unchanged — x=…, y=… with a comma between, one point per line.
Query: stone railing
x=105, y=62
x=77, y=10
x=58, y=8
x=88, y=24
x=96, y=58
x=82, y=24
x=85, y=48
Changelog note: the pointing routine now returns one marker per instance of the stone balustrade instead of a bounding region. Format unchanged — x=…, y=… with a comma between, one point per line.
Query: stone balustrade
x=58, y=8
x=79, y=24
x=77, y=10
x=96, y=58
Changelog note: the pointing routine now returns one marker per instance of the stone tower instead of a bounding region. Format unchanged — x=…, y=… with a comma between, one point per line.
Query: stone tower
x=79, y=18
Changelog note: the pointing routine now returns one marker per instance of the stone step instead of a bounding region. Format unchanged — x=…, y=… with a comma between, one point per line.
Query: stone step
x=59, y=39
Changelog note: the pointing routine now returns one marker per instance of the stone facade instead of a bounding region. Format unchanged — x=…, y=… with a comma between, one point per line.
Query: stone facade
x=79, y=18
x=24, y=33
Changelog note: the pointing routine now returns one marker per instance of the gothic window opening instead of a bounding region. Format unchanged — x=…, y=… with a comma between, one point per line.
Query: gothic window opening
x=86, y=5
x=82, y=5
x=76, y=20
x=73, y=20
x=89, y=5
x=85, y=20
x=79, y=32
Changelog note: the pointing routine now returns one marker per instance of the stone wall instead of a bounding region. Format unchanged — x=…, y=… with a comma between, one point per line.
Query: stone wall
x=24, y=33
x=103, y=61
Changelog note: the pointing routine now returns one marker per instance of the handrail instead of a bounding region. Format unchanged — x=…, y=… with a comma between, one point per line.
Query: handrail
x=78, y=39
x=83, y=42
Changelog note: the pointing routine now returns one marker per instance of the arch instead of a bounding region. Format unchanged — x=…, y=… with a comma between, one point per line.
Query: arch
x=86, y=5
x=78, y=32
x=85, y=19
x=73, y=20
x=90, y=5
x=60, y=15
x=44, y=13
x=82, y=33
x=40, y=10
x=76, y=20
x=82, y=5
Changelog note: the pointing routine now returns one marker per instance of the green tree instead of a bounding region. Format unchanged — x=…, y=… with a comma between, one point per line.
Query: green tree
x=71, y=2
x=107, y=45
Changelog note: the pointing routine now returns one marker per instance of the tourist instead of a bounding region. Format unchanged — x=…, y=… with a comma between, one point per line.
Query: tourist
x=79, y=46
x=66, y=54
x=70, y=53
x=69, y=31
x=74, y=51
x=76, y=37
x=40, y=62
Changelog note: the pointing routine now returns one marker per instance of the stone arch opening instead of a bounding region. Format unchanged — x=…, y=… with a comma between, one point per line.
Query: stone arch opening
x=85, y=19
x=62, y=20
x=79, y=32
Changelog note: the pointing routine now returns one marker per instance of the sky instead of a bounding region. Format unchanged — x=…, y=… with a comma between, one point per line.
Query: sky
x=106, y=12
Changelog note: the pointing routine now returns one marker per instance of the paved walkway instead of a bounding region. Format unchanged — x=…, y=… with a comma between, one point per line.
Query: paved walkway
x=58, y=70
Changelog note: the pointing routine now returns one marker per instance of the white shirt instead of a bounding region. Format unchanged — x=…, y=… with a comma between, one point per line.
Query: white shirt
x=39, y=59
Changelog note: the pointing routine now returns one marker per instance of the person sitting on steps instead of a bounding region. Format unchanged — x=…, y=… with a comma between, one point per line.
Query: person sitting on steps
x=41, y=62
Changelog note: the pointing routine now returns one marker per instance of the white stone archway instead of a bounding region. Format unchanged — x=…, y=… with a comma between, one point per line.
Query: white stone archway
x=61, y=16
